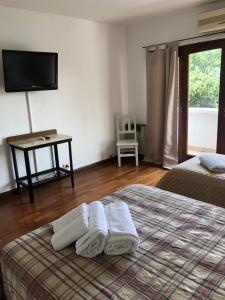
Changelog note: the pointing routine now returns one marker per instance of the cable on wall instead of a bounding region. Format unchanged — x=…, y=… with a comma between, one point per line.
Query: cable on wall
x=29, y=112
x=31, y=128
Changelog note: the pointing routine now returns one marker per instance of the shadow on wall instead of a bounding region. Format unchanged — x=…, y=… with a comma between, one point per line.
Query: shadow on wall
x=5, y=152
x=106, y=149
x=110, y=90
x=117, y=87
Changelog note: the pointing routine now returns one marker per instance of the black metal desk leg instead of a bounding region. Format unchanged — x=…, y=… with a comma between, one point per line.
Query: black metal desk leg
x=71, y=164
x=56, y=160
x=29, y=180
x=15, y=169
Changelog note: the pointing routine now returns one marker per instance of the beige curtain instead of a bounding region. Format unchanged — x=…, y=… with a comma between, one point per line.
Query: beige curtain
x=162, y=106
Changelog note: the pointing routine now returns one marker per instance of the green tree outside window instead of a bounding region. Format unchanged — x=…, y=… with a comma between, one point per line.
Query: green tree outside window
x=204, y=78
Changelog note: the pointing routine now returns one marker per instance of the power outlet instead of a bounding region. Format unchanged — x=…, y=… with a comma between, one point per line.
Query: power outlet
x=66, y=166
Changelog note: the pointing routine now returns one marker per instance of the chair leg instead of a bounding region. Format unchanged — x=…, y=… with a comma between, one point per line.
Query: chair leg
x=119, y=157
x=136, y=155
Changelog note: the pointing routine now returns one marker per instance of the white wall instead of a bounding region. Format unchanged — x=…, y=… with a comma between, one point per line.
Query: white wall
x=92, y=85
x=160, y=29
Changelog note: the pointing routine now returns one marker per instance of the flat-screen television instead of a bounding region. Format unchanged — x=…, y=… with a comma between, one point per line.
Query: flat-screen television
x=29, y=71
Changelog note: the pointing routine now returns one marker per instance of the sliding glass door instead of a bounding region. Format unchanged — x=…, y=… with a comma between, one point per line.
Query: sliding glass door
x=202, y=98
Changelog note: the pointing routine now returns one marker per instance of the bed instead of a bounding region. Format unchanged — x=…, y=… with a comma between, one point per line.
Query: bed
x=193, y=180
x=181, y=256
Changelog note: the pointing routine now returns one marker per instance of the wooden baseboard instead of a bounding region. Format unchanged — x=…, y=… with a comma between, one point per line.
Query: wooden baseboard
x=98, y=163
x=7, y=193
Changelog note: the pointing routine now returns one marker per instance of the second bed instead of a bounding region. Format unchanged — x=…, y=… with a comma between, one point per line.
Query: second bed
x=193, y=180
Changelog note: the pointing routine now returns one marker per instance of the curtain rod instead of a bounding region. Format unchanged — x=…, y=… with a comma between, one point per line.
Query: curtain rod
x=190, y=38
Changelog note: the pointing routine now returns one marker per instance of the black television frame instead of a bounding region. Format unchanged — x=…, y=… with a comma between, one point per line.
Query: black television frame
x=36, y=88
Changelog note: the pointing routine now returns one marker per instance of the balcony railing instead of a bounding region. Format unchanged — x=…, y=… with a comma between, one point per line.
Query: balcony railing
x=202, y=130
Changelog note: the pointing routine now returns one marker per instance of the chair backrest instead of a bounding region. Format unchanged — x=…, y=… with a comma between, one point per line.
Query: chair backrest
x=126, y=125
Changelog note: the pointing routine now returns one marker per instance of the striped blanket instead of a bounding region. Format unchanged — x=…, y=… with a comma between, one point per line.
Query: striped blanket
x=181, y=256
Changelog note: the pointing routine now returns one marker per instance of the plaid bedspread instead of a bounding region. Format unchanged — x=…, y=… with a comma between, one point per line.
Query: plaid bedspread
x=181, y=256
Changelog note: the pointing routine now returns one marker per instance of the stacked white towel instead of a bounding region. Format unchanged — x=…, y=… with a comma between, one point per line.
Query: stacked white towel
x=93, y=242
x=123, y=237
x=95, y=229
x=213, y=162
x=70, y=227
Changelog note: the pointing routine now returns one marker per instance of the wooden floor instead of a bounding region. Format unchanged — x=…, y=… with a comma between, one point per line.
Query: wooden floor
x=18, y=216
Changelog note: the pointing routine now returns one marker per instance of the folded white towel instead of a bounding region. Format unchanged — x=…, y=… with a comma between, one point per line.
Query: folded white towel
x=70, y=216
x=72, y=230
x=123, y=237
x=93, y=242
x=213, y=162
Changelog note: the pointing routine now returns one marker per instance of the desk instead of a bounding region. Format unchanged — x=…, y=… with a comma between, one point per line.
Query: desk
x=29, y=142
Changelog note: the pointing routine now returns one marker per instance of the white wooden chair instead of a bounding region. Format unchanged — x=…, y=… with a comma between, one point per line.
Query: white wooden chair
x=127, y=144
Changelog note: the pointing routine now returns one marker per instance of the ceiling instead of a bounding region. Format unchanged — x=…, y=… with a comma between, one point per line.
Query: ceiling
x=112, y=11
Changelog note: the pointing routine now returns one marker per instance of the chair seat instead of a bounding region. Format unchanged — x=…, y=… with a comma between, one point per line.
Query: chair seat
x=127, y=143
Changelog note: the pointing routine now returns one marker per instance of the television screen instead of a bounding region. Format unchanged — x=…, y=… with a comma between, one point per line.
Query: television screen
x=30, y=71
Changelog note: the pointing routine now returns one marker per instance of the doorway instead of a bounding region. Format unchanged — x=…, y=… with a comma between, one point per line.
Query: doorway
x=202, y=99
